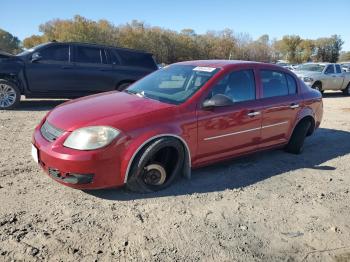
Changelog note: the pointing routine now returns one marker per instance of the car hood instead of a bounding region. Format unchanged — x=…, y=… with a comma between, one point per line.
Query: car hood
x=302, y=74
x=115, y=109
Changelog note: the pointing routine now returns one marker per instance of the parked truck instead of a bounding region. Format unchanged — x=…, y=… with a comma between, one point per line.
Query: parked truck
x=324, y=76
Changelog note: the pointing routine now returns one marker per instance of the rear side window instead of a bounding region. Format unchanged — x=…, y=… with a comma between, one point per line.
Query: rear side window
x=238, y=85
x=329, y=69
x=338, y=69
x=129, y=58
x=86, y=54
x=55, y=53
x=292, y=85
x=274, y=83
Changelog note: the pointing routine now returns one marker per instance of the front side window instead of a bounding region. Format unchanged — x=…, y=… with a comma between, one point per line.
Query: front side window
x=274, y=83
x=329, y=69
x=55, y=53
x=173, y=84
x=86, y=54
x=239, y=86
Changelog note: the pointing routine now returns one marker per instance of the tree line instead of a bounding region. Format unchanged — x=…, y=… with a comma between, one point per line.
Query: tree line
x=170, y=46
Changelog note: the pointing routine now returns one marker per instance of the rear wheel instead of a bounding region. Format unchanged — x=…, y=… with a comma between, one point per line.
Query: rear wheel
x=123, y=86
x=346, y=91
x=156, y=166
x=296, y=142
x=9, y=95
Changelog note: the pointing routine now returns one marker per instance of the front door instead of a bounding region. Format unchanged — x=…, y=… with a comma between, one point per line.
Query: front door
x=230, y=130
x=52, y=72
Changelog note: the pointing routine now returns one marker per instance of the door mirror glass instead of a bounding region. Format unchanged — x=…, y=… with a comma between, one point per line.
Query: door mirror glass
x=36, y=57
x=218, y=100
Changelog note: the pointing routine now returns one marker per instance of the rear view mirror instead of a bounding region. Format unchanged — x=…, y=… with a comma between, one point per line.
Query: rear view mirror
x=36, y=57
x=217, y=101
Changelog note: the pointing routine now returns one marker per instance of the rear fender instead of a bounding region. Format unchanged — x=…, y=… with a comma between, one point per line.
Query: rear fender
x=302, y=114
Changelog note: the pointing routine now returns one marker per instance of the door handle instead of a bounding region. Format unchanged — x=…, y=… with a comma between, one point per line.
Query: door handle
x=66, y=67
x=293, y=106
x=253, y=113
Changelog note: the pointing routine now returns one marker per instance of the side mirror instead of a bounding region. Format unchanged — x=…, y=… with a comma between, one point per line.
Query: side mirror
x=36, y=57
x=217, y=101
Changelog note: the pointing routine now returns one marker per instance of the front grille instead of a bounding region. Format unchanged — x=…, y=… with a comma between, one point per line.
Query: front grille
x=49, y=132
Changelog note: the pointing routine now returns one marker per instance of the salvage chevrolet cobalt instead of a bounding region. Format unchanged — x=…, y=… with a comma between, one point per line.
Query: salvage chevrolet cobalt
x=183, y=116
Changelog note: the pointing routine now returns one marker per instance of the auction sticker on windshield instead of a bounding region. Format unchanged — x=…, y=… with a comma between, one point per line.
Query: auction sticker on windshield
x=204, y=69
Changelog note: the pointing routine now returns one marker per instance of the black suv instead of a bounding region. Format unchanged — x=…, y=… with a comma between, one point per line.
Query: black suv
x=68, y=70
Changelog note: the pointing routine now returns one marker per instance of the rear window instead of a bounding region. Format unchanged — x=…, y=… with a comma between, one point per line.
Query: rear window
x=129, y=58
x=292, y=85
x=337, y=67
x=274, y=83
x=85, y=54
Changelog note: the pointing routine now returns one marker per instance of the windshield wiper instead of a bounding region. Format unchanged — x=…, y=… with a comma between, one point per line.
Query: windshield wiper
x=139, y=94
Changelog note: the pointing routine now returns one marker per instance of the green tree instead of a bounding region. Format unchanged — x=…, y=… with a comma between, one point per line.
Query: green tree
x=288, y=46
x=344, y=56
x=328, y=48
x=9, y=43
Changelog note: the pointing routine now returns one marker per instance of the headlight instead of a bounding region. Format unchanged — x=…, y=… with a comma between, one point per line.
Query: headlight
x=308, y=79
x=89, y=138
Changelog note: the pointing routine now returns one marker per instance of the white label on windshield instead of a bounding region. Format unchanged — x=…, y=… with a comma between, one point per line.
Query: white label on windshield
x=204, y=69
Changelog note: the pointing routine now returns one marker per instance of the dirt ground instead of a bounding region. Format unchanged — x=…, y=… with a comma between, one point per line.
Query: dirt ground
x=271, y=206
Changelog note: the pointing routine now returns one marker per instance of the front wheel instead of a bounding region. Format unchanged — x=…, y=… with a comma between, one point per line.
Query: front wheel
x=9, y=95
x=318, y=87
x=156, y=166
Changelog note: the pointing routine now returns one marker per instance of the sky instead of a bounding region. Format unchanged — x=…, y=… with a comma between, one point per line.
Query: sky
x=308, y=18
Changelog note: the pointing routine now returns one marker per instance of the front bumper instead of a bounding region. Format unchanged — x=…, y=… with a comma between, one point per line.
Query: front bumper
x=95, y=169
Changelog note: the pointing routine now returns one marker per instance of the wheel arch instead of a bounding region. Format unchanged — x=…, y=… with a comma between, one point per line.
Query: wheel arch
x=305, y=117
x=128, y=81
x=318, y=82
x=13, y=79
x=187, y=162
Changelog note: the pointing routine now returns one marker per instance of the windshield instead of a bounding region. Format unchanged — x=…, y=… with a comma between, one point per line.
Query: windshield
x=311, y=67
x=173, y=84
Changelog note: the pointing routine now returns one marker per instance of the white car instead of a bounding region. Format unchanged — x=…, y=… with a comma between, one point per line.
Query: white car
x=324, y=76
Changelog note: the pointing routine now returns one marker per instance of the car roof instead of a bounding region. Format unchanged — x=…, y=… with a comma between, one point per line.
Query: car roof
x=219, y=63
x=100, y=45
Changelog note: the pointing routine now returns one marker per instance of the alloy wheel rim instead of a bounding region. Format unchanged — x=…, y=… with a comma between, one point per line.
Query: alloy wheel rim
x=7, y=96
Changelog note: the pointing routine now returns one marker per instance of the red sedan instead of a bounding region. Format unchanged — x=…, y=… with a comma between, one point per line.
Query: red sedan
x=183, y=116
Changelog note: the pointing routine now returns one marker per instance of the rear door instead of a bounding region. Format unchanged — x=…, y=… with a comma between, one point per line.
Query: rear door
x=53, y=72
x=339, y=79
x=280, y=105
x=230, y=130
x=93, y=72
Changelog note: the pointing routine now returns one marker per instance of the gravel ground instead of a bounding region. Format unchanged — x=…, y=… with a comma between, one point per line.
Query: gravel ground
x=271, y=206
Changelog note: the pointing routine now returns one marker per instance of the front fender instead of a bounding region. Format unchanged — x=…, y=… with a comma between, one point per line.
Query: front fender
x=136, y=144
